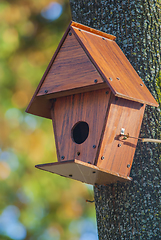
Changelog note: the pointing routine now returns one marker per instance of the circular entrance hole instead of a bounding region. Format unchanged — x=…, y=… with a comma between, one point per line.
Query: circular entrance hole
x=80, y=132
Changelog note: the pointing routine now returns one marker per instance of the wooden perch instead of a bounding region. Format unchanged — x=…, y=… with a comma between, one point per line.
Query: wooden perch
x=150, y=140
x=141, y=139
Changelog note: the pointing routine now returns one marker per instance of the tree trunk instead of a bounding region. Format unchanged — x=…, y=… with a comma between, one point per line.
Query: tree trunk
x=132, y=211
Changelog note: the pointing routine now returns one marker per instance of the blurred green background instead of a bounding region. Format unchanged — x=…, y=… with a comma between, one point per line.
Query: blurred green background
x=34, y=204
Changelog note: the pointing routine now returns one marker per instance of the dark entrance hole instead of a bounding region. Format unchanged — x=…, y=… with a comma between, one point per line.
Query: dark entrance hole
x=80, y=132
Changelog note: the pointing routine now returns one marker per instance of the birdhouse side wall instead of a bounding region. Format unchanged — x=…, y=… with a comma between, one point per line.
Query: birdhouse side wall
x=68, y=112
x=116, y=154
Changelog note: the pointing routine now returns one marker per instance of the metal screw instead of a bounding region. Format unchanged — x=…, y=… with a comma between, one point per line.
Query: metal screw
x=46, y=91
x=141, y=84
x=89, y=162
x=119, y=145
x=80, y=30
x=118, y=78
x=70, y=34
x=110, y=79
x=102, y=157
x=94, y=146
x=95, y=80
x=128, y=165
x=62, y=157
x=107, y=92
x=70, y=175
x=103, y=38
x=93, y=172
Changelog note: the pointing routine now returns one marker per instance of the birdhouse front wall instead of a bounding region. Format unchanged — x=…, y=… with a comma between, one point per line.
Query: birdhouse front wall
x=78, y=121
x=116, y=153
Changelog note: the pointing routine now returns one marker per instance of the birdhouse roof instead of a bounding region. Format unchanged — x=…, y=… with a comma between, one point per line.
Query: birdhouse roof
x=87, y=59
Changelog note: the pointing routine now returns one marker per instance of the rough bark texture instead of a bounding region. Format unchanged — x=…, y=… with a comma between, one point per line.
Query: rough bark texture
x=132, y=211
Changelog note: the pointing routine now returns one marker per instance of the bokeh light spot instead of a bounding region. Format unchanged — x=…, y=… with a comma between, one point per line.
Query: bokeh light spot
x=10, y=158
x=9, y=224
x=52, y=12
x=31, y=122
x=14, y=116
x=4, y=170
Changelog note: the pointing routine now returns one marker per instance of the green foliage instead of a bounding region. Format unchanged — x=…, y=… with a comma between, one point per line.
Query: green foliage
x=48, y=204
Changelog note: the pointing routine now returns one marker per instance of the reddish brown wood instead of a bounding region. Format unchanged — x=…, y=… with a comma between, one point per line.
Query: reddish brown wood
x=92, y=30
x=35, y=102
x=71, y=69
x=112, y=64
x=108, y=62
x=77, y=90
x=40, y=106
x=89, y=107
x=122, y=114
x=83, y=172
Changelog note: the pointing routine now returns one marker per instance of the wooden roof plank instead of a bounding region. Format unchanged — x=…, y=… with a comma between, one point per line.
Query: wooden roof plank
x=108, y=60
x=112, y=63
x=92, y=30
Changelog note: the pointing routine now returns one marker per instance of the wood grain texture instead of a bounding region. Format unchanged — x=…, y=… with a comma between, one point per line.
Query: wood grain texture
x=77, y=90
x=71, y=69
x=83, y=172
x=89, y=107
x=113, y=64
x=35, y=102
x=122, y=114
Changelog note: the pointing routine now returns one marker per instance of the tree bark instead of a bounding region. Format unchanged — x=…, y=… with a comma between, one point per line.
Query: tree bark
x=132, y=210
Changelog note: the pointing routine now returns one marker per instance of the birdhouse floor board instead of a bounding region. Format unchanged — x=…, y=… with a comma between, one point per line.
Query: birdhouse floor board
x=83, y=172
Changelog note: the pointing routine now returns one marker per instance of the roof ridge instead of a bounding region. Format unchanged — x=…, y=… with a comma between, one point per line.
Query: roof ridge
x=92, y=30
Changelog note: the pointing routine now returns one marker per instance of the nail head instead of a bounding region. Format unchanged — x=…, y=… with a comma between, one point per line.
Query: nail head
x=102, y=158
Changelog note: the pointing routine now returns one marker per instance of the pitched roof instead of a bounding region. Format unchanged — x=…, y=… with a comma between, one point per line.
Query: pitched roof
x=83, y=55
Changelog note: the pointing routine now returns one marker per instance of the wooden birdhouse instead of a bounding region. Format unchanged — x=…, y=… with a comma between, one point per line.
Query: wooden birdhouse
x=93, y=96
